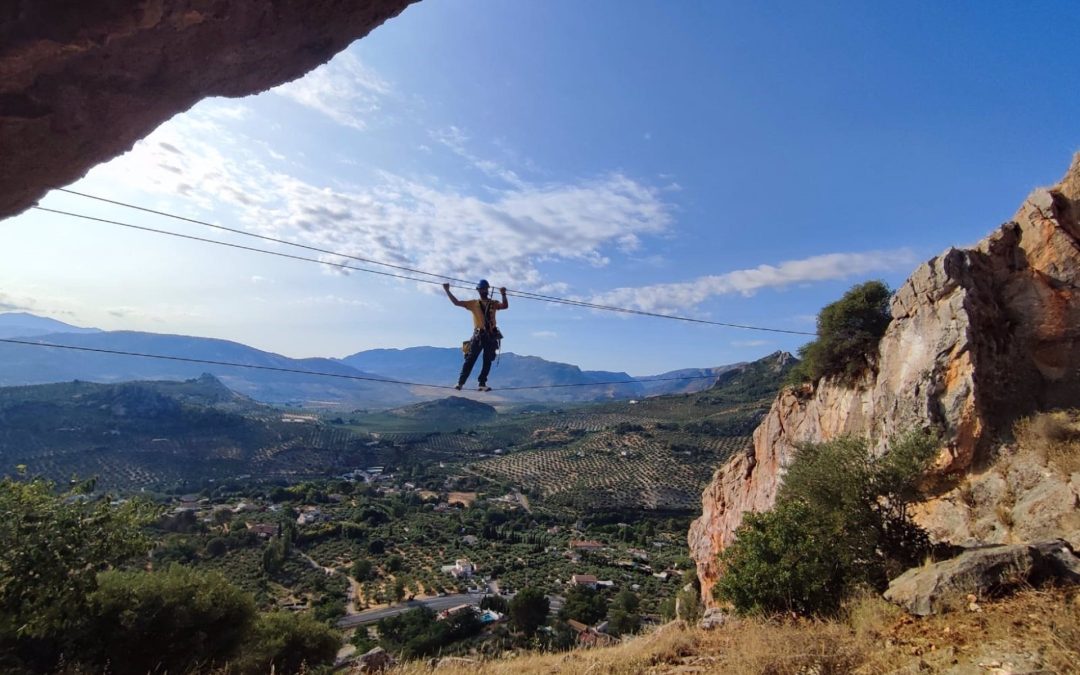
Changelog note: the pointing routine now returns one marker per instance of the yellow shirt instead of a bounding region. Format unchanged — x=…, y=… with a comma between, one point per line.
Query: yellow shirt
x=478, y=313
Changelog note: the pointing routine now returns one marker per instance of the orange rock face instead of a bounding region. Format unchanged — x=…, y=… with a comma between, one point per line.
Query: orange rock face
x=979, y=337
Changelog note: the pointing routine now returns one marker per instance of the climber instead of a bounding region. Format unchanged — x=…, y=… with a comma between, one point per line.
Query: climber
x=486, y=337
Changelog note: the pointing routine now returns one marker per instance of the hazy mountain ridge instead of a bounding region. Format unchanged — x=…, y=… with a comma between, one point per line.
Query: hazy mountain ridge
x=22, y=324
x=24, y=365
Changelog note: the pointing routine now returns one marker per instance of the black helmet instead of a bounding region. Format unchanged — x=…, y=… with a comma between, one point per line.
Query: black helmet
x=482, y=285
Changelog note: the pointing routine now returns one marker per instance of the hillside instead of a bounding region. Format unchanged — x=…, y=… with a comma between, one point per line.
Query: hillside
x=650, y=454
x=453, y=411
x=153, y=434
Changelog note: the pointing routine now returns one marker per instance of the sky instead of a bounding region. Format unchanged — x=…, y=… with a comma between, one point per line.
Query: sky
x=736, y=162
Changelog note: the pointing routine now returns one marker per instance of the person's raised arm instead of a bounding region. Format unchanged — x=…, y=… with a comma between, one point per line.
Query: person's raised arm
x=504, y=303
x=457, y=303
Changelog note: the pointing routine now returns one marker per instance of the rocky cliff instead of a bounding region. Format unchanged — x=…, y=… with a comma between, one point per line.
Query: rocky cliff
x=978, y=338
x=80, y=82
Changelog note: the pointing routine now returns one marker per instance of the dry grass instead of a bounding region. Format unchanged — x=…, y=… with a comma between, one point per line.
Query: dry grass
x=1054, y=436
x=1033, y=631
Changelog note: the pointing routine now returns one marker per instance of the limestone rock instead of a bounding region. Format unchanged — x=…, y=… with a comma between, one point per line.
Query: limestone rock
x=714, y=618
x=978, y=338
x=80, y=82
x=980, y=572
x=375, y=661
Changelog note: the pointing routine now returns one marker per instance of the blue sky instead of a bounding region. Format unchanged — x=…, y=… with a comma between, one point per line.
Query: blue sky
x=742, y=163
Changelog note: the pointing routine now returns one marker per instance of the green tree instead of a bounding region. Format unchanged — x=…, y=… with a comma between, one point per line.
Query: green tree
x=170, y=621
x=273, y=558
x=216, y=547
x=496, y=603
x=222, y=516
x=623, y=616
x=290, y=643
x=848, y=332
x=362, y=569
x=529, y=610
x=584, y=604
x=54, y=545
x=840, y=520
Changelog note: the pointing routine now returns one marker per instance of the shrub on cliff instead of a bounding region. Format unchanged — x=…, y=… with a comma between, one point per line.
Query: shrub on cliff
x=848, y=334
x=840, y=521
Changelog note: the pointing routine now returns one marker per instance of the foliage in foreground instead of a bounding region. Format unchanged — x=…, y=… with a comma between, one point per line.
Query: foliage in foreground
x=59, y=597
x=417, y=633
x=54, y=546
x=848, y=332
x=840, y=522
x=204, y=617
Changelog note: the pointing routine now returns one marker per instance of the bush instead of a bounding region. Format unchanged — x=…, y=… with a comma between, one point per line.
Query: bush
x=54, y=544
x=291, y=643
x=840, y=521
x=848, y=334
x=171, y=621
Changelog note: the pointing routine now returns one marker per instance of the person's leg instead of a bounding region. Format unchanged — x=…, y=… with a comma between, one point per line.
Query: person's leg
x=470, y=360
x=489, y=357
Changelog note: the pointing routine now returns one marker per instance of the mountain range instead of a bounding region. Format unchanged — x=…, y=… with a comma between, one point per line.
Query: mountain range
x=269, y=383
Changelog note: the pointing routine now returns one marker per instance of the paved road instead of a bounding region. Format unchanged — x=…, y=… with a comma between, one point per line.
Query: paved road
x=434, y=604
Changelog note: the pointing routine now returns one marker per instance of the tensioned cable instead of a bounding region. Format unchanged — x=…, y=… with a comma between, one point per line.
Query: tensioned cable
x=523, y=294
x=343, y=376
x=204, y=240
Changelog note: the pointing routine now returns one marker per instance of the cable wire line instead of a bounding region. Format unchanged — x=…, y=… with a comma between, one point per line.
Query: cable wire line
x=529, y=295
x=343, y=376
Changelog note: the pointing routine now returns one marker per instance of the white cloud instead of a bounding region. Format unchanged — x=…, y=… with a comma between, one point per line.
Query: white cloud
x=829, y=267
x=749, y=343
x=545, y=334
x=423, y=224
x=457, y=142
x=10, y=303
x=344, y=89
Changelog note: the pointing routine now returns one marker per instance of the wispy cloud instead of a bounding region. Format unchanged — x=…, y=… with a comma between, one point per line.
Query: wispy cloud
x=545, y=334
x=454, y=139
x=344, y=89
x=749, y=343
x=505, y=235
x=828, y=267
x=9, y=303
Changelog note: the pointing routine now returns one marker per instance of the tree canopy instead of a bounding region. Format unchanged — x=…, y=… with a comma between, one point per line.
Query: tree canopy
x=848, y=333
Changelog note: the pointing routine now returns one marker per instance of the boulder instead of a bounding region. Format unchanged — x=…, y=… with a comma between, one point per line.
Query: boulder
x=983, y=572
x=375, y=661
x=714, y=618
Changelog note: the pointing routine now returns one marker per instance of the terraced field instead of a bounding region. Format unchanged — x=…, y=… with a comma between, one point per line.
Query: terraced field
x=608, y=471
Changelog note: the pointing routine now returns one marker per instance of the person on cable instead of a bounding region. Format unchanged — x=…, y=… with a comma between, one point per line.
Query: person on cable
x=486, y=336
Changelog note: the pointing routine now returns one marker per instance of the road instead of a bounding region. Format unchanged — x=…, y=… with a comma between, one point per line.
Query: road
x=434, y=604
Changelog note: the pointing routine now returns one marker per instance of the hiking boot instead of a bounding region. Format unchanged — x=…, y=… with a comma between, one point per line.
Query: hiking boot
x=483, y=387
x=457, y=386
